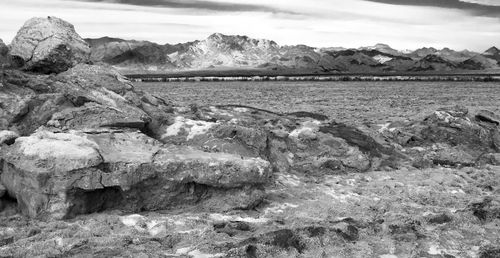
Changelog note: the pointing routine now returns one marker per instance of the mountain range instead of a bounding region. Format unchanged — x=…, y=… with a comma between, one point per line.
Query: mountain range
x=223, y=52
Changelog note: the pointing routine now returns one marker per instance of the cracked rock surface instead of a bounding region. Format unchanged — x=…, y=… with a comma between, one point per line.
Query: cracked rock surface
x=49, y=45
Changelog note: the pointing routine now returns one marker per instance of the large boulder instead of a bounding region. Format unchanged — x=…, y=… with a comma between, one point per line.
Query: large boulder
x=62, y=174
x=49, y=45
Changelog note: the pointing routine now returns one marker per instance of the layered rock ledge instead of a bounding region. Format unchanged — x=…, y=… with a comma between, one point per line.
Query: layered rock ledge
x=65, y=174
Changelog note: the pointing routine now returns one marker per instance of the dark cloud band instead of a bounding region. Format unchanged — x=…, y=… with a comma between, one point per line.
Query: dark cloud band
x=474, y=8
x=202, y=5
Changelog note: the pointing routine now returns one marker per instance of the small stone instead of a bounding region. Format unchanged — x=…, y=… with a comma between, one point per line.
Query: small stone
x=439, y=218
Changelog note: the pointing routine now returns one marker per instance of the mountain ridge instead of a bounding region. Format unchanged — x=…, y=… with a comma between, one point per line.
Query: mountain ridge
x=220, y=51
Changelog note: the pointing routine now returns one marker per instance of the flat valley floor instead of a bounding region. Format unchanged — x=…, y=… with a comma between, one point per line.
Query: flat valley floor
x=347, y=102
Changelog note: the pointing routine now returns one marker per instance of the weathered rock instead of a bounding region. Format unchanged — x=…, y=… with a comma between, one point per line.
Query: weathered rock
x=216, y=136
x=93, y=115
x=49, y=45
x=488, y=117
x=449, y=137
x=490, y=158
x=291, y=143
x=105, y=86
x=5, y=240
x=65, y=174
x=76, y=99
x=7, y=137
x=489, y=252
x=4, y=51
x=94, y=76
x=3, y=190
x=452, y=156
x=456, y=111
x=441, y=218
x=486, y=209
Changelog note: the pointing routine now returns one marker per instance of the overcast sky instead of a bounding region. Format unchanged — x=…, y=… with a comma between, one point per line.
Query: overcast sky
x=403, y=24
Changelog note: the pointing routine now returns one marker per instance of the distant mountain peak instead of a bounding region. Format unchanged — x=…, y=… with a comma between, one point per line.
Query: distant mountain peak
x=238, y=40
x=492, y=51
x=382, y=48
x=220, y=36
x=102, y=40
x=221, y=51
x=382, y=45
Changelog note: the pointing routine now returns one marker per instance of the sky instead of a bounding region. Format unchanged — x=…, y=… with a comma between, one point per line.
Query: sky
x=403, y=24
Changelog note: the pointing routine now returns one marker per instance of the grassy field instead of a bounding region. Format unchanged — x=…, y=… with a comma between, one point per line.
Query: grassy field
x=350, y=102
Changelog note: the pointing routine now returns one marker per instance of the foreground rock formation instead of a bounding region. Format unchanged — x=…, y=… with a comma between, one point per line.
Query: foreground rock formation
x=82, y=151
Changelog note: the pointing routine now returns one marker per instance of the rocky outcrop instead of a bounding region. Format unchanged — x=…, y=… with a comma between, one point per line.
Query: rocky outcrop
x=78, y=172
x=7, y=137
x=450, y=137
x=300, y=142
x=88, y=139
x=83, y=97
x=4, y=51
x=79, y=105
x=49, y=45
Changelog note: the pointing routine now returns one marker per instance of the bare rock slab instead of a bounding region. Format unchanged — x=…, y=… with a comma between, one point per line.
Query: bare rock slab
x=49, y=45
x=64, y=174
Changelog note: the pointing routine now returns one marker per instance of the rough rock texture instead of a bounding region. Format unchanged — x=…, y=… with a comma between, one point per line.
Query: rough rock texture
x=304, y=142
x=65, y=174
x=7, y=137
x=49, y=45
x=82, y=97
x=448, y=137
x=4, y=51
x=97, y=102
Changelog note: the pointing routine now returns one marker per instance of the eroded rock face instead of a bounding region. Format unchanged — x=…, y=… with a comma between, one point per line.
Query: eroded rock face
x=49, y=45
x=449, y=137
x=65, y=174
x=7, y=137
x=83, y=97
x=304, y=143
x=4, y=51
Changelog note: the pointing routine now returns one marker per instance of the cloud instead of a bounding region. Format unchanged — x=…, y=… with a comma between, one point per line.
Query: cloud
x=201, y=5
x=477, y=7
